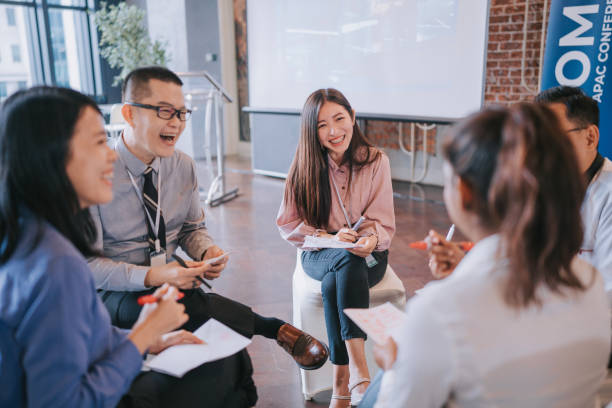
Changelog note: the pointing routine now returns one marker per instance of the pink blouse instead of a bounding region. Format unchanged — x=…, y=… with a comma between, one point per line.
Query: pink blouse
x=370, y=194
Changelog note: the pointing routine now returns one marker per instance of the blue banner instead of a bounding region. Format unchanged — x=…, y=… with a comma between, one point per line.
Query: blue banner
x=578, y=54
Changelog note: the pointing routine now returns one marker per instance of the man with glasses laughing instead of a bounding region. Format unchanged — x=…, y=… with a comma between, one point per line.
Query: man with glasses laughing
x=156, y=208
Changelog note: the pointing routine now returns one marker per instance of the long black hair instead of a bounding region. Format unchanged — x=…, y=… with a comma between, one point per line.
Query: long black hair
x=36, y=126
x=308, y=179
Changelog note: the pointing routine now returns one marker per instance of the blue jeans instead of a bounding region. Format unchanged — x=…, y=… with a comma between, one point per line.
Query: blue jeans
x=345, y=282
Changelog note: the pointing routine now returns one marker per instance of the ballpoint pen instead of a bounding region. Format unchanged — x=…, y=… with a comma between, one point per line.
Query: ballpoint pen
x=358, y=223
x=450, y=233
x=184, y=265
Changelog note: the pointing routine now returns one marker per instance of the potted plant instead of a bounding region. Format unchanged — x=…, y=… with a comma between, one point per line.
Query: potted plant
x=124, y=39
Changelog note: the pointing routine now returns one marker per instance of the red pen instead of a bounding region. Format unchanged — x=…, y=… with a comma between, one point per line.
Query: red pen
x=464, y=245
x=143, y=300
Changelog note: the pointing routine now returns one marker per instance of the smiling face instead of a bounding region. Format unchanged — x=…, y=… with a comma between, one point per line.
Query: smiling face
x=151, y=136
x=335, y=129
x=90, y=161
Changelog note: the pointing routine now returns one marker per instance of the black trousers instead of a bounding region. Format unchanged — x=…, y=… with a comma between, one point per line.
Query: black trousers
x=200, y=306
x=224, y=383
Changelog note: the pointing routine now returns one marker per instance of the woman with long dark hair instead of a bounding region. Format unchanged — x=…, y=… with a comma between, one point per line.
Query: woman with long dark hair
x=57, y=346
x=521, y=321
x=336, y=178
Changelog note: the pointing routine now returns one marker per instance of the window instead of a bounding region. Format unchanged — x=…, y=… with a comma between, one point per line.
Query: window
x=10, y=16
x=52, y=42
x=3, y=93
x=22, y=84
x=16, y=52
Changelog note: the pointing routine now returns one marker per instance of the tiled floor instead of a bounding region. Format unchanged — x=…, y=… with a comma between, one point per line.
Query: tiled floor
x=261, y=264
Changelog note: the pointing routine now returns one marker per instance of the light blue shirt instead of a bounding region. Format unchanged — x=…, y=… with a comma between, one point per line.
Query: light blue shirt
x=121, y=224
x=57, y=345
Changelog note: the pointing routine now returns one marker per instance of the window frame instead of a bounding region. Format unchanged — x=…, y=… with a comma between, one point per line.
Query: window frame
x=41, y=49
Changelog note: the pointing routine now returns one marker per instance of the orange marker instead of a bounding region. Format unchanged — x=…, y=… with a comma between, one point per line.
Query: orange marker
x=423, y=245
x=143, y=300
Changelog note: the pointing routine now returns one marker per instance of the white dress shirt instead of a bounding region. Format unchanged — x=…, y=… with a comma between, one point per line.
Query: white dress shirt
x=462, y=345
x=597, y=218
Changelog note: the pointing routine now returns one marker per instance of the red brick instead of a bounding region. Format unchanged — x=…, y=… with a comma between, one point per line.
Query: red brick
x=510, y=45
x=499, y=19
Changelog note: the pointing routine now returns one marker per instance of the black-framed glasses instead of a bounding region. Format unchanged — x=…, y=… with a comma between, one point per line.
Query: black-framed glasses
x=576, y=129
x=164, y=112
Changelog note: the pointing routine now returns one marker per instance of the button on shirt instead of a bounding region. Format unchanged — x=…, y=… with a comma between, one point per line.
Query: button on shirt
x=370, y=194
x=462, y=344
x=121, y=224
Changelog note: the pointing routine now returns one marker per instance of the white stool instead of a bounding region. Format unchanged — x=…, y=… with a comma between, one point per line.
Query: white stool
x=308, y=315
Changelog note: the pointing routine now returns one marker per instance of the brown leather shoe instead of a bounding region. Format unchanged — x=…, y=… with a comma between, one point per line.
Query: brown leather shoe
x=308, y=352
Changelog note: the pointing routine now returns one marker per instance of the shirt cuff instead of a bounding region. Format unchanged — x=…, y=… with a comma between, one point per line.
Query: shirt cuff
x=137, y=275
x=130, y=358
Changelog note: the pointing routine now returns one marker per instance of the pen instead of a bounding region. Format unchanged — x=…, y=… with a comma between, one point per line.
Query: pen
x=451, y=232
x=464, y=245
x=143, y=300
x=184, y=265
x=358, y=223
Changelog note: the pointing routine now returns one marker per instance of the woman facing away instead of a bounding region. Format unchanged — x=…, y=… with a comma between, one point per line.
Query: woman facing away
x=57, y=346
x=522, y=321
x=336, y=177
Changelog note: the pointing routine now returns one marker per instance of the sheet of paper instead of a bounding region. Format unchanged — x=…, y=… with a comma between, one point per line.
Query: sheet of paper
x=378, y=321
x=216, y=259
x=221, y=341
x=320, y=242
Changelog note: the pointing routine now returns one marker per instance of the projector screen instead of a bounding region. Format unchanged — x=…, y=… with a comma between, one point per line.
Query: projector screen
x=421, y=59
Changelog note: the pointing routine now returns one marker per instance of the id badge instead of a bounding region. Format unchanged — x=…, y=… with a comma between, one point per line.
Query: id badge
x=371, y=261
x=157, y=258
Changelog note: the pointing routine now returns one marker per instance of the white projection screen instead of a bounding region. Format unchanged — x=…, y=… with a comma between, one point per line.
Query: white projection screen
x=419, y=59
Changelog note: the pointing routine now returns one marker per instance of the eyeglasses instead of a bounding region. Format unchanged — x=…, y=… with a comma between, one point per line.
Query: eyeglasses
x=575, y=129
x=165, y=112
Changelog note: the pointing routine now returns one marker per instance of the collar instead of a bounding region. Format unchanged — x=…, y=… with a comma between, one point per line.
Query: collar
x=331, y=164
x=133, y=163
x=597, y=164
x=484, y=252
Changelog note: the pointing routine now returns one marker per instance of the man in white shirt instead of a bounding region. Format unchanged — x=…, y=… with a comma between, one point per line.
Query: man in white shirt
x=578, y=115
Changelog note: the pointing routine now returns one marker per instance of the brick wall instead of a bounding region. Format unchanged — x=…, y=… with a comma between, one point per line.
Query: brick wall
x=506, y=24
x=503, y=67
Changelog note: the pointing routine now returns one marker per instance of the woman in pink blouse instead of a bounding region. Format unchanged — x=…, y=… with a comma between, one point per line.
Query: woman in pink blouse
x=336, y=177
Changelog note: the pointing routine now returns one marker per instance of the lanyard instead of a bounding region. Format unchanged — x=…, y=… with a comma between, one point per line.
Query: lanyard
x=154, y=225
x=346, y=217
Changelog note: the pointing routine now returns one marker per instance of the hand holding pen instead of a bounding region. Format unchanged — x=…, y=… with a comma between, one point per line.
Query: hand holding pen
x=197, y=277
x=444, y=255
x=158, y=317
x=160, y=314
x=350, y=234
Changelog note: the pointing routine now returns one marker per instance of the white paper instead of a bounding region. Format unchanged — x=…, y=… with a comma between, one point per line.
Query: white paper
x=216, y=259
x=320, y=242
x=221, y=341
x=378, y=321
